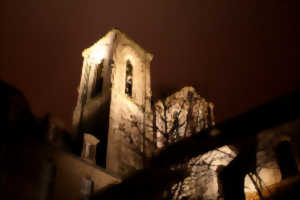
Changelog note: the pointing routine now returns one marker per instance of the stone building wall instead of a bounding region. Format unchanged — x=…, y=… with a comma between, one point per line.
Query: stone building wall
x=91, y=113
x=126, y=107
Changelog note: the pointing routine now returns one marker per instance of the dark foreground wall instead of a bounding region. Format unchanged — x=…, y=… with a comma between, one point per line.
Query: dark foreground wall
x=38, y=171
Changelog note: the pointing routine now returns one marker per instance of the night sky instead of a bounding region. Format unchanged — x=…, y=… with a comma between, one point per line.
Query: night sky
x=238, y=54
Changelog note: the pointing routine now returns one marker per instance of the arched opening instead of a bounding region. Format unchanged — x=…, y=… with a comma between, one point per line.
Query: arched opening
x=89, y=148
x=98, y=80
x=128, y=80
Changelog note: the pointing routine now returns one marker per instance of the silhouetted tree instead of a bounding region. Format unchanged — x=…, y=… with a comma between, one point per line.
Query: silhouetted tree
x=172, y=123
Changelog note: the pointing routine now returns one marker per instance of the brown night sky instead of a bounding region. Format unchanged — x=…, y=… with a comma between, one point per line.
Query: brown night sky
x=238, y=54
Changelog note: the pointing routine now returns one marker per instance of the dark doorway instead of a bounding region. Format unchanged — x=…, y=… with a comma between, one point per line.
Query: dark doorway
x=287, y=164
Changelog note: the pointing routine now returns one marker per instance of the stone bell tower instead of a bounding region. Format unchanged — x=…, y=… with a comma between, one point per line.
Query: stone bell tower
x=114, y=92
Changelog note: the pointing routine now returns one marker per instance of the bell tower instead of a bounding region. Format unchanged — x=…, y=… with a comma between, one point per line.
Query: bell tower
x=114, y=99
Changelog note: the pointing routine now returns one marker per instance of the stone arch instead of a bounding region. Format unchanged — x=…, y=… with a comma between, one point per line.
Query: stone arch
x=128, y=79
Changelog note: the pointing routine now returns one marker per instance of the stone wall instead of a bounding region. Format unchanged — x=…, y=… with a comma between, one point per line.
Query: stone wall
x=70, y=172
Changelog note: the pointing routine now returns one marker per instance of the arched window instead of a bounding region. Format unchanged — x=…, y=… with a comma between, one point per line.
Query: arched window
x=89, y=152
x=98, y=80
x=89, y=147
x=128, y=80
x=85, y=84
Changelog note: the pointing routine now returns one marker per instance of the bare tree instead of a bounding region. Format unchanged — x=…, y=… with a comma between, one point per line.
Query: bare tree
x=173, y=120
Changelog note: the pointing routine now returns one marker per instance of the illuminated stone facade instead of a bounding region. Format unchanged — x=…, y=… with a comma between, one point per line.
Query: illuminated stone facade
x=114, y=87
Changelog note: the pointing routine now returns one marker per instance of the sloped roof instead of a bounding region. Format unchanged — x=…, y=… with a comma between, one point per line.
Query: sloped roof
x=109, y=39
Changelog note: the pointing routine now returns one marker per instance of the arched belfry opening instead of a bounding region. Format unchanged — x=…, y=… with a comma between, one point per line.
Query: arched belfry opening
x=98, y=80
x=128, y=80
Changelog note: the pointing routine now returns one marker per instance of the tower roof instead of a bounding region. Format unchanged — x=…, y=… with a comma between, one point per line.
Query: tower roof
x=107, y=42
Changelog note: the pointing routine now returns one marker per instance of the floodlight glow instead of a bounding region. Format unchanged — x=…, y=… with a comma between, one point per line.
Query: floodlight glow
x=99, y=53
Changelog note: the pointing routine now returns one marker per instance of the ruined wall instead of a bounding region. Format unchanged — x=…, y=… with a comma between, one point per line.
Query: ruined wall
x=180, y=115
